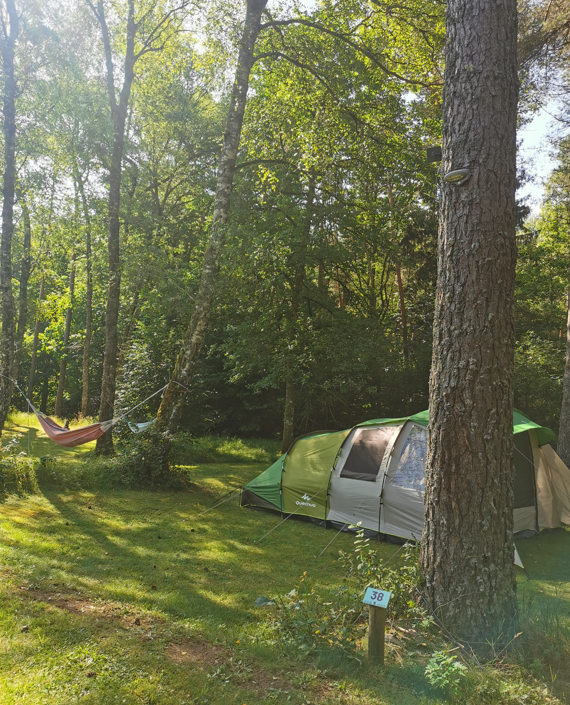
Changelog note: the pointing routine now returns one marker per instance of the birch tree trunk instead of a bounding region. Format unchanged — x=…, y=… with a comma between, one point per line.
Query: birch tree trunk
x=467, y=545
x=9, y=34
x=66, y=334
x=175, y=395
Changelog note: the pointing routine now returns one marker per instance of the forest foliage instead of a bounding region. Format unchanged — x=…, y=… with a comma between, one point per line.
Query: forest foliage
x=329, y=265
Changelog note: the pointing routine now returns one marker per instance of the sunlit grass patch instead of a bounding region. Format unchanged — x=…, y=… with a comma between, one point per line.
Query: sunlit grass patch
x=130, y=585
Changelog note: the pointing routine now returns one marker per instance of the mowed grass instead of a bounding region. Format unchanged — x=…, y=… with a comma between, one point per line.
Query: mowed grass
x=115, y=596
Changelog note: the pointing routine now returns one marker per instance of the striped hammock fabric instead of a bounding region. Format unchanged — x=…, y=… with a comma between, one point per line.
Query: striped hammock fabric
x=71, y=438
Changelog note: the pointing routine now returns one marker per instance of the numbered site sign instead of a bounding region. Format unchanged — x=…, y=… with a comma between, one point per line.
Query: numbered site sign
x=376, y=597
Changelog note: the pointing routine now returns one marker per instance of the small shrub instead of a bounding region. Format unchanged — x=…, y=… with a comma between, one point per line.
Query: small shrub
x=17, y=474
x=307, y=621
x=444, y=671
x=143, y=462
x=364, y=568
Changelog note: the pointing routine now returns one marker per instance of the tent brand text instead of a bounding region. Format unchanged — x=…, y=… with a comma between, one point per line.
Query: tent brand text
x=306, y=503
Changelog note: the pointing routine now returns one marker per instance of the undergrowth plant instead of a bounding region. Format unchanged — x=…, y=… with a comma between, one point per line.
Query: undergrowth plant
x=17, y=474
x=336, y=620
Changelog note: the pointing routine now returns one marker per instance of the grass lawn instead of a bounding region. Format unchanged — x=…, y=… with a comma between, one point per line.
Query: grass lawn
x=115, y=596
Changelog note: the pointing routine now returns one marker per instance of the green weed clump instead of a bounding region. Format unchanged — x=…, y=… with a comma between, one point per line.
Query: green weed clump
x=314, y=621
x=17, y=474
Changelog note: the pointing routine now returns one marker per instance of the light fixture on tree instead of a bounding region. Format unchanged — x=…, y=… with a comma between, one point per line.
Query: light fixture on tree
x=457, y=177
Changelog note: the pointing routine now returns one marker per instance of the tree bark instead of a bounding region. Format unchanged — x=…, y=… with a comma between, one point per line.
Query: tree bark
x=8, y=38
x=128, y=332
x=403, y=312
x=175, y=395
x=66, y=334
x=467, y=545
x=563, y=447
x=25, y=269
x=299, y=263
x=119, y=115
x=35, y=342
x=399, y=277
x=85, y=407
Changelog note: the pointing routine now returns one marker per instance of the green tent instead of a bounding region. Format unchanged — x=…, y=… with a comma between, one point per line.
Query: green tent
x=374, y=474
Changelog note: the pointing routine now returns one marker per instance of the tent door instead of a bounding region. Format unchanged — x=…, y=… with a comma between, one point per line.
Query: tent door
x=403, y=496
x=354, y=494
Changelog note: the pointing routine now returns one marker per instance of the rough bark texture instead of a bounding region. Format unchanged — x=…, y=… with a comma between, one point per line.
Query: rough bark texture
x=25, y=268
x=66, y=334
x=467, y=546
x=33, y=362
x=299, y=265
x=175, y=395
x=7, y=43
x=119, y=115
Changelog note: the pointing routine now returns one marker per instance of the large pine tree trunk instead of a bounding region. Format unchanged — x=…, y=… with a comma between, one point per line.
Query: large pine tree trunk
x=467, y=546
x=175, y=395
x=66, y=334
x=7, y=45
x=119, y=115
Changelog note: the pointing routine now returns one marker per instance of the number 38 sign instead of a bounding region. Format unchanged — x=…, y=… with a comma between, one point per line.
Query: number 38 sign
x=376, y=597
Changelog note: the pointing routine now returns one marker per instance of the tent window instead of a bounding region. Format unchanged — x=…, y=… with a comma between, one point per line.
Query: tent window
x=366, y=453
x=411, y=471
x=524, y=472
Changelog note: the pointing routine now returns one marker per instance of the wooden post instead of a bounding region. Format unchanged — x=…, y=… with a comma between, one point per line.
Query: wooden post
x=376, y=634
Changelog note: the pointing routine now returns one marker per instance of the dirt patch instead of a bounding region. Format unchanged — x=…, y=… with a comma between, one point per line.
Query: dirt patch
x=225, y=667
x=198, y=652
x=76, y=604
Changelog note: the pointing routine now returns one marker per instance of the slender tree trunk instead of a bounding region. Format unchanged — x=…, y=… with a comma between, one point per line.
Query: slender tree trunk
x=467, y=545
x=563, y=447
x=175, y=395
x=85, y=408
x=119, y=115
x=371, y=284
x=399, y=277
x=45, y=392
x=25, y=269
x=128, y=332
x=7, y=45
x=35, y=342
x=66, y=334
x=300, y=260
x=403, y=312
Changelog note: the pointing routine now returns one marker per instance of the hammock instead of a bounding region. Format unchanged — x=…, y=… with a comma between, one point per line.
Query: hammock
x=139, y=427
x=71, y=438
